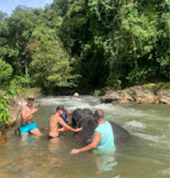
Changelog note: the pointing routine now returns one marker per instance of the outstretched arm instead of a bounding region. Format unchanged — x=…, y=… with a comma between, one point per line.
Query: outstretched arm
x=60, y=121
x=90, y=146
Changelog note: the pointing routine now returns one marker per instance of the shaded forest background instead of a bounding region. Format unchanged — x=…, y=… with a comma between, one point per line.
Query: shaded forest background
x=85, y=44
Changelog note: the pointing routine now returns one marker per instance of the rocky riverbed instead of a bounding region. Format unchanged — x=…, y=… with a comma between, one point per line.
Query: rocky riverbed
x=138, y=94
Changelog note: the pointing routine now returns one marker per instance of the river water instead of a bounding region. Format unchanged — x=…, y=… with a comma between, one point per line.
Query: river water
x=146, y=155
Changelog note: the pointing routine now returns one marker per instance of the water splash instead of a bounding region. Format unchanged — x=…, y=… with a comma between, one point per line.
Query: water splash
x=135, y=124
x=149, y=137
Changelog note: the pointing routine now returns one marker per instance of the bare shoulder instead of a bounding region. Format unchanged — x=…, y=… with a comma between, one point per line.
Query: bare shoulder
x=59, y=118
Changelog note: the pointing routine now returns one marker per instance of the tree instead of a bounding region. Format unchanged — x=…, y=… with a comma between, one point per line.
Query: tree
x=118, y=43
x=51, y=64
x=5, y=73
x=16, y=33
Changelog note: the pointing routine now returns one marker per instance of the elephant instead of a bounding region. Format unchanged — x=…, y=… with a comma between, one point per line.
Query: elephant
x=84, y=118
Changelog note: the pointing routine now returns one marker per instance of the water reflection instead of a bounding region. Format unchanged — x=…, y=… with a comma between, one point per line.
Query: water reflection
x=53, y=145
x=27, y=140
x=105, y=162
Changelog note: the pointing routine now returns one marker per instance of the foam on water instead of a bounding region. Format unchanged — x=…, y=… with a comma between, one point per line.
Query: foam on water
x=149, y=137
x=82, y=106
x=118, y=113
x=134, y=124
x=68, y=100
x=58, y=100
x=166, y=171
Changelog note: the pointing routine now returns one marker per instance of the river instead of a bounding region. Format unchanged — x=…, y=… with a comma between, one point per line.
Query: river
x=146, y=155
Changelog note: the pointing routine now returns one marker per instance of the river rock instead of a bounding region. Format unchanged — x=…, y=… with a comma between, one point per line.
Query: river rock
x=164, y=97
x=109, y=99
x=120, y=97
x=15, y=109
x=141, y=95
x=14, y=113
x=137, y=94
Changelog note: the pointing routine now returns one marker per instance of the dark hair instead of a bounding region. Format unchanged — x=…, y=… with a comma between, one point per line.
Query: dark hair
x=65, y=110
x=99, y=114
x=60, y=107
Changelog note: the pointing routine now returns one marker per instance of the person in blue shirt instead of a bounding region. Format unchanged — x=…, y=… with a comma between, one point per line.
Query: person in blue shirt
x=65, y=116
x=103, y=140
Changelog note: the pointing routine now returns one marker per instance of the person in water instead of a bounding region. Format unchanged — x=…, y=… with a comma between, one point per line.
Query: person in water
x=56, y=120
x=27, y=125
x=103, y=140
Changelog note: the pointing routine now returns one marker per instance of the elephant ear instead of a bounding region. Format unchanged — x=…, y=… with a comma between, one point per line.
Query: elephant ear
x=73, y=123
x=88, y=124
x=75, y=117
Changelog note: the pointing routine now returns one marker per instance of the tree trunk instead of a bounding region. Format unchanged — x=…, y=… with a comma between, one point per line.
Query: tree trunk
x=26, y=68
x=135, y=58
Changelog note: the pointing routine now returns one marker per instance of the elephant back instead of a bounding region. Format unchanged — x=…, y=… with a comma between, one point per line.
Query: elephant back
x=120, y=134
x=87, y=111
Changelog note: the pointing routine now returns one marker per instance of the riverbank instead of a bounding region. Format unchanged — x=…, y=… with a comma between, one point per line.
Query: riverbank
x=144, y=94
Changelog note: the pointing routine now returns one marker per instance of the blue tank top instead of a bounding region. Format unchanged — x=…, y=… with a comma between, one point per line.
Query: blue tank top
x=106, y=143
x=64, y=118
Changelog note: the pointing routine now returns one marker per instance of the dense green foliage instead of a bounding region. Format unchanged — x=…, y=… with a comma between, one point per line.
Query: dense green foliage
x=50, y=65
x=5, y=117
x=4, y=109
x=87, y=44
x=6, y=89
x=5, y=72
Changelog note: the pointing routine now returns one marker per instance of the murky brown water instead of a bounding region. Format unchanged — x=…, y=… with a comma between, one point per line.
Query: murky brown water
x=146, y=155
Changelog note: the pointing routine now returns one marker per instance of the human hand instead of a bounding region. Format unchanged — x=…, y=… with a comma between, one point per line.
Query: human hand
x=78, y=129
x=74, y=151
x=62, y=129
